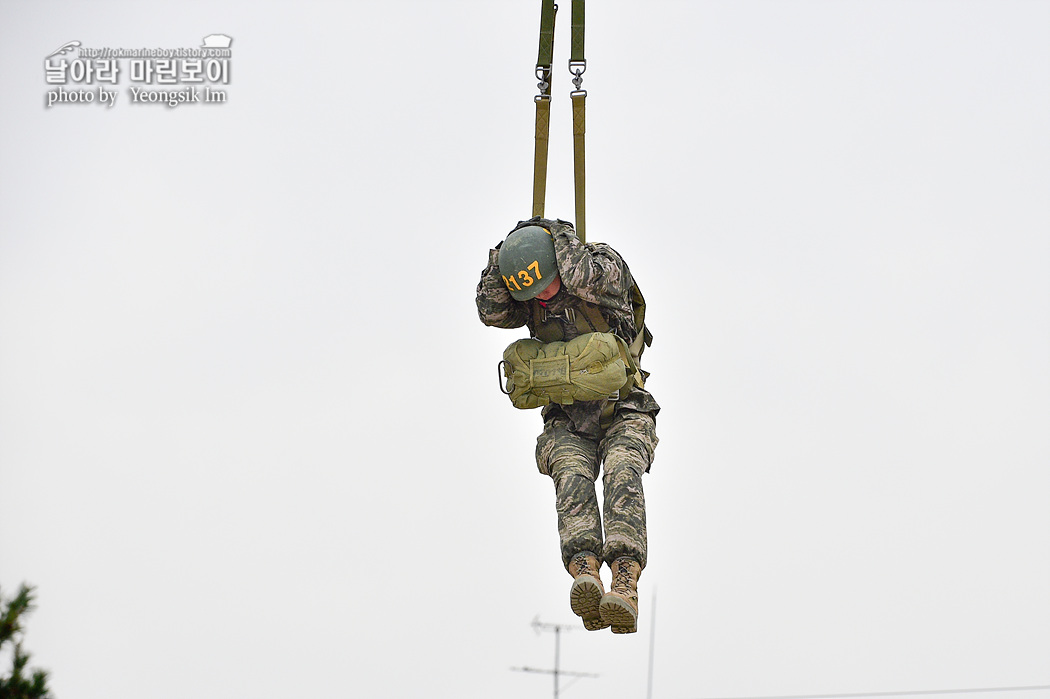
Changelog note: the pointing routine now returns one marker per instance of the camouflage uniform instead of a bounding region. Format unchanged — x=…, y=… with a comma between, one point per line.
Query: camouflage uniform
x=577, y=438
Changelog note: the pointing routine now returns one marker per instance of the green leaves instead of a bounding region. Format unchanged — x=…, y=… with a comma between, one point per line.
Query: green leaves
x=18, y=685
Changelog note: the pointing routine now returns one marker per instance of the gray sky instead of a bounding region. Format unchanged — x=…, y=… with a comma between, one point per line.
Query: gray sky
x=251, y=444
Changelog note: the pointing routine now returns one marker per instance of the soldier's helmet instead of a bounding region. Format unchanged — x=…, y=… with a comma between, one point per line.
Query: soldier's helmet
x=527, y=262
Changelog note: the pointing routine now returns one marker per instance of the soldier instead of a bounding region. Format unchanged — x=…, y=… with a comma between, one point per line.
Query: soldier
x=543, y=277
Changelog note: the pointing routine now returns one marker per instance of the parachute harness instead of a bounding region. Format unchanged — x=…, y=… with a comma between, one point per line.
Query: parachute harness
x=577, y=67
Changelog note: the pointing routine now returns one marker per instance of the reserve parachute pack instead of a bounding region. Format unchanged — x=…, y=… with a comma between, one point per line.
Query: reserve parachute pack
x=590, y=367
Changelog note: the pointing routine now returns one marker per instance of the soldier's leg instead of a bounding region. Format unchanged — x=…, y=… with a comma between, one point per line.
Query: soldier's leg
x=627, y=451
x=572, y=462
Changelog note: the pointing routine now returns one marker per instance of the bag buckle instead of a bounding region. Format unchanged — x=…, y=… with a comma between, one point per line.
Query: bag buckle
x=500, y=373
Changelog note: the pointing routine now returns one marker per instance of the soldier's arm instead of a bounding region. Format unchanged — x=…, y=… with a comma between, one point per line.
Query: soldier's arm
x=495, y=305
x=593, y=272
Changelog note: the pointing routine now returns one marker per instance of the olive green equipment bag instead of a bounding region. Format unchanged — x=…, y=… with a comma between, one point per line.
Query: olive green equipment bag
x=593, y=366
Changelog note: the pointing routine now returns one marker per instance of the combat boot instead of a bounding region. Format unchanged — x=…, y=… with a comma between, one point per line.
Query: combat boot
x=587, y=589
x=619, y=606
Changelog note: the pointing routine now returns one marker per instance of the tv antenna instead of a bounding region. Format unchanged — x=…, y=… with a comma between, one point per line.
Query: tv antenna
x=539, y=626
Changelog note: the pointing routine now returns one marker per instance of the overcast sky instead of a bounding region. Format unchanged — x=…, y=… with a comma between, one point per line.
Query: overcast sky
x=251, y=441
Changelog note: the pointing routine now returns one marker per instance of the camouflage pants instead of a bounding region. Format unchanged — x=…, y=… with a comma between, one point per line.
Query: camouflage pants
x=625, y=450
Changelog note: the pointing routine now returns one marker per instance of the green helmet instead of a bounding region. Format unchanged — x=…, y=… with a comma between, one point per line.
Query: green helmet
x=527, y=262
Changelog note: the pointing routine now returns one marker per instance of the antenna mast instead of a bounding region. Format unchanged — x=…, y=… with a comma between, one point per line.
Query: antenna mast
x=557, y=671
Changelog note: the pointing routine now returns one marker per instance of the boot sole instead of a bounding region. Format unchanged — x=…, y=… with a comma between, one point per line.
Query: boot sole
x=585, y=598
x=618, y=614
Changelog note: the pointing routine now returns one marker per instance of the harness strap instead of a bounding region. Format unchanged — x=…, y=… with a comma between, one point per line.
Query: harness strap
x=539, y=178
x=577, y=32
x=594, y=319
x=544, y=61
x=579, y=177
x=577, y=66
x=546, y=53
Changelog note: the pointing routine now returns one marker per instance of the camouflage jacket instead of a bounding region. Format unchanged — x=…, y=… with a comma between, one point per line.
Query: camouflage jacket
x=591, y=273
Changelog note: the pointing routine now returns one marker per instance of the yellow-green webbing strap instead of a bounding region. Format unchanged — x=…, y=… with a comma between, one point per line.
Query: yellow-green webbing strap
x=577, y=32
x=539, y=175
x=546, y=53
x=577, y=65
x=578, y=130
x=544, y=60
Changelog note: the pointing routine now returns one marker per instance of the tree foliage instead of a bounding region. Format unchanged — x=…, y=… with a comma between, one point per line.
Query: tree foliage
x=22, y=683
